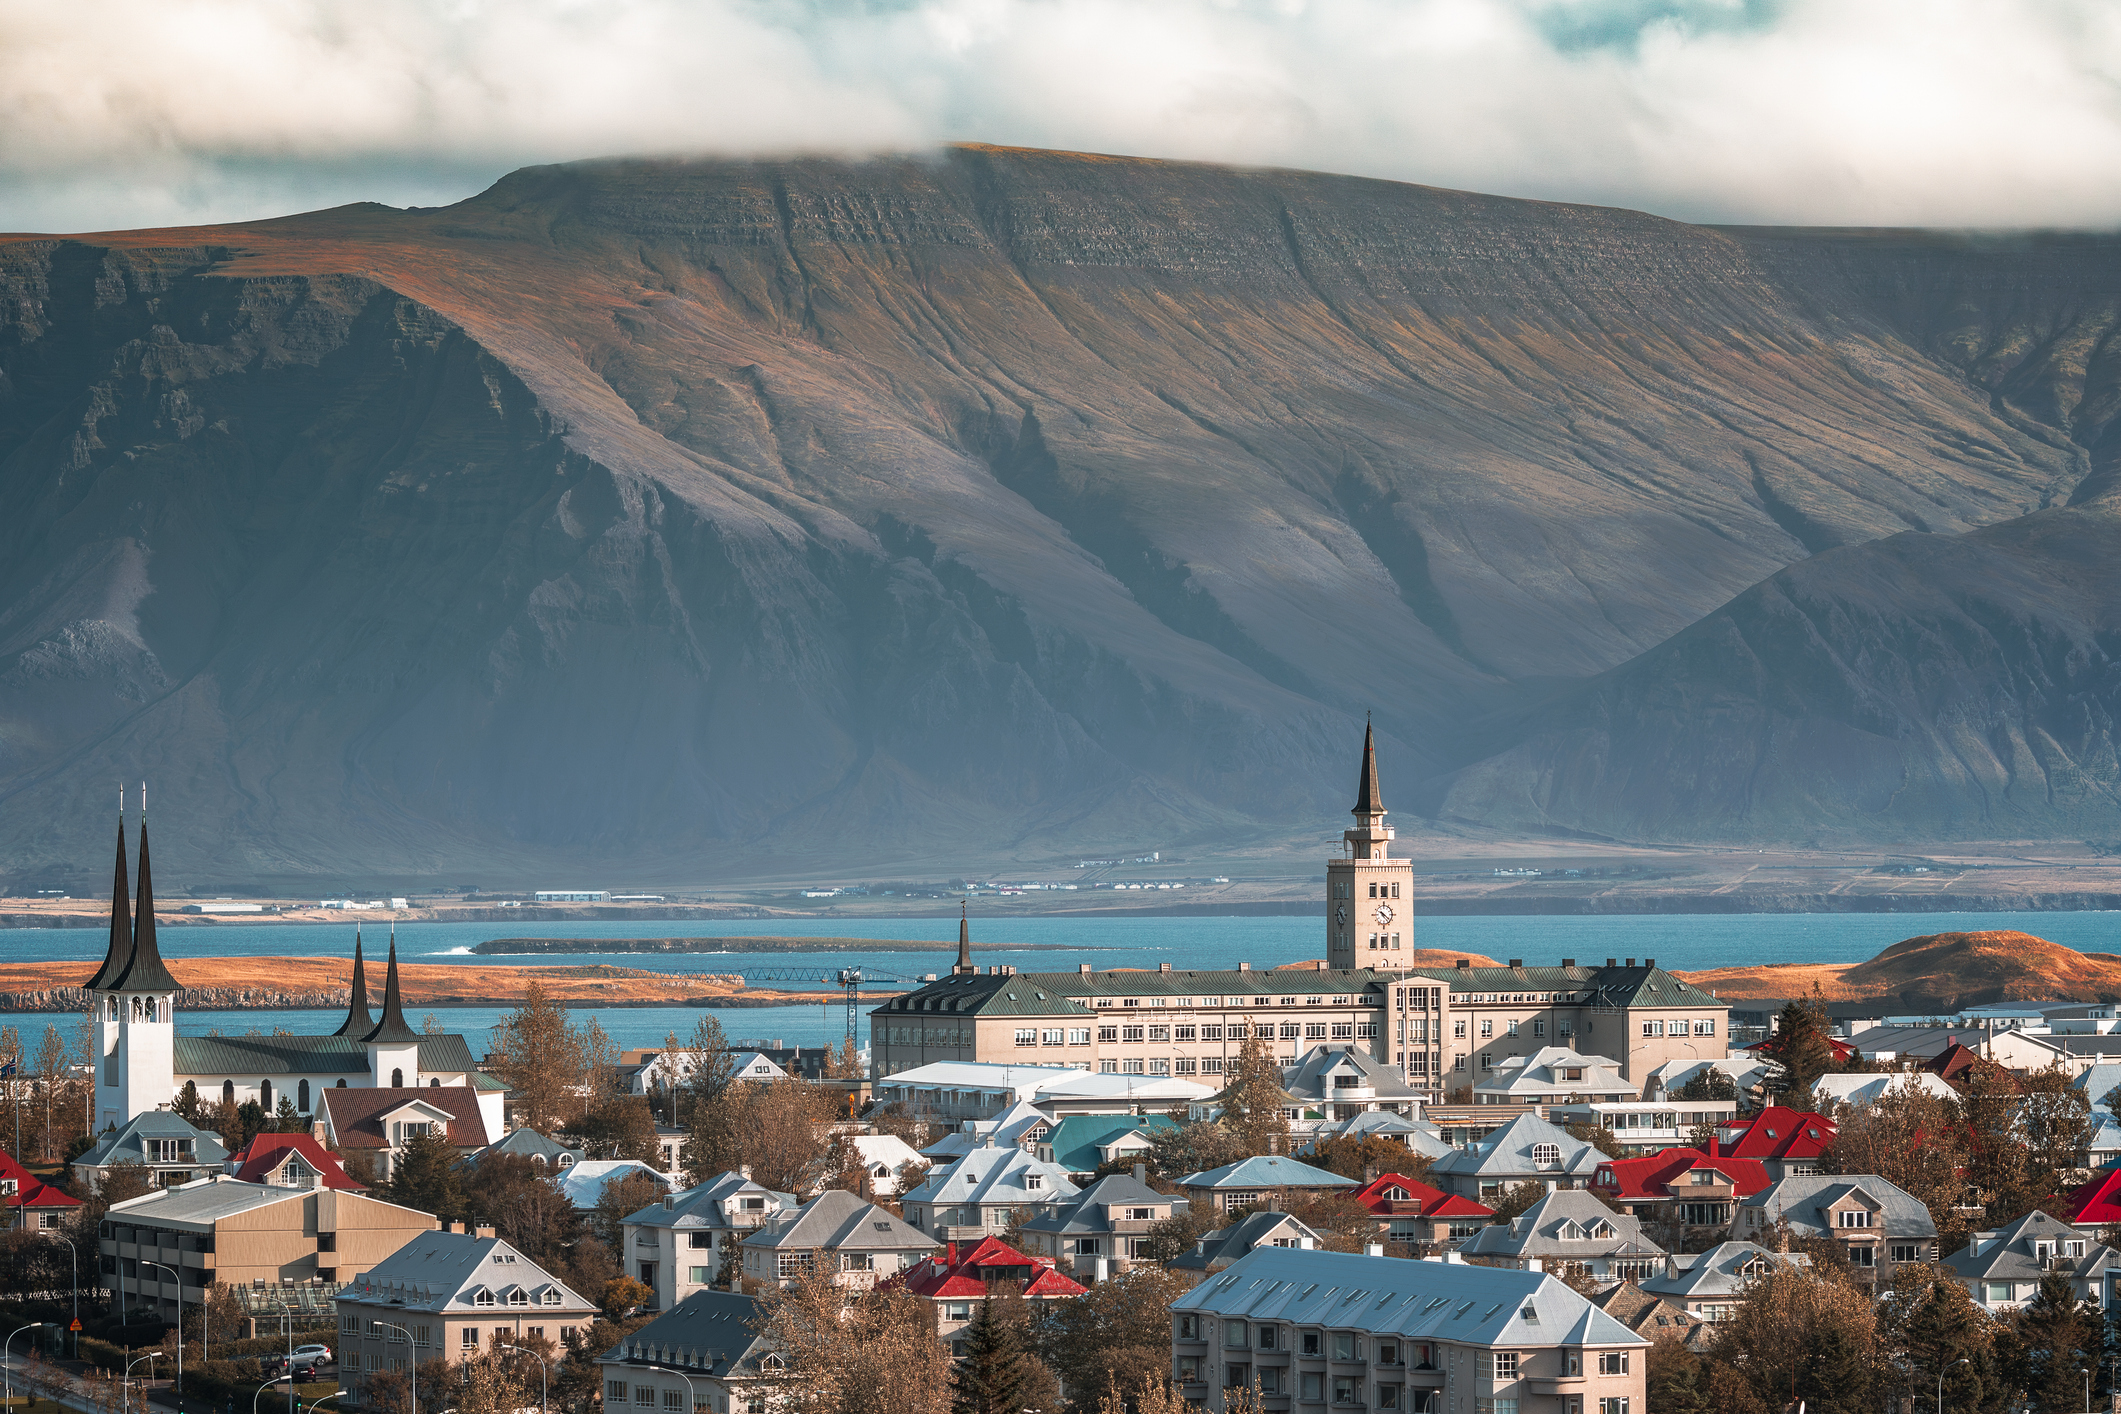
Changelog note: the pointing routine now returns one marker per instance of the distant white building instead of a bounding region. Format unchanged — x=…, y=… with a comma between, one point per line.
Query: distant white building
x=570, y=896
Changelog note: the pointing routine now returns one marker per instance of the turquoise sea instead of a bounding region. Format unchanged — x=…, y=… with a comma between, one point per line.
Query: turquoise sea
x=1679, y=941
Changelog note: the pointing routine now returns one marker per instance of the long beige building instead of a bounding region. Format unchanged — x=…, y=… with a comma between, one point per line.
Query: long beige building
x=1445, y=1029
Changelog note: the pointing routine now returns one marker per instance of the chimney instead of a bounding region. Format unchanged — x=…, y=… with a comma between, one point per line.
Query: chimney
x=1273, y=1143
x=483, y=1230
x=1568, y=962
x=1465, y=964
x=1083, y=967
x=1244, y=967
x=1649, y=962
x=1141, y=1173
x=1612, y=962
x=744, y=1172
x=1163, y=967
x=1373, y=1249
x=1271, y=1203
x=1631, y=962
x=1517, y=962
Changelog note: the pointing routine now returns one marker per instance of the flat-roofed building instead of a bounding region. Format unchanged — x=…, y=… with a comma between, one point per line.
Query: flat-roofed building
x=223, y=1231
x=1304, y=1328
x=450, y=1296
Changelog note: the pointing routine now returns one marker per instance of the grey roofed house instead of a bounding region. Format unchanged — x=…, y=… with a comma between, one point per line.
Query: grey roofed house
x=1419, y=1136
x=174, y=1151
x=445, y=1273
x=858, y=1236
x=679, y=1243
x=1708, y=1284
x=1569, y=1225
x=977, y=1194
x=1224, y=1246
x=540, y=1149
x=1347, y=1081
x=2002, y=1267
x=1806, y=1201
x=704, y=1345
x=1527, y=1149
x=1104, y=1221
x=1552, y=1073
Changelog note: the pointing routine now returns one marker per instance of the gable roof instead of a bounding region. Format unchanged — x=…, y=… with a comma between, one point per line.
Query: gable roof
x=1776, y=1133
x=30, y=1191
x=1724, y=1270
x=530, y=1144
x=1076, y=1140
x=1085, y=1212
x=1653, y=1176
x=1307, y=1080
x=716, y=1203
x=990, y=1177
x=1226, y=1245
x=1013, y=1125
x=584, y=1183
x=1567, y=1223
x=1803, y=1198
x=2008, y=1252
x=306, y=1055
x=355, y=1117
x=128, y=1144
x=969, y=1271
x=443, y=1273
x=1645, y=1314
x=1392, y=1194
x=1265, y=1171
x=267, y=1154
x=838, y=1221
x=2097, y=1203
x=1509, y=1151
x=1541, y=1070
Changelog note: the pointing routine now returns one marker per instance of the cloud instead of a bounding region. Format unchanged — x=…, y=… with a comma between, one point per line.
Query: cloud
x=1934, y=112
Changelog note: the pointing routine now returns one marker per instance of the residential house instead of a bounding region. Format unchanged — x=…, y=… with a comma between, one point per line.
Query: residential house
x=2103, y=1144
x=1710, y=1285
x=1879, y=1224
x=1422, y=1217
x=2002, y=1268
x=1785, y=1141
x=886, y=1159
x=702, y=1355
x=1863, y=1091
x=584, y=1183
x=1552, y=1075
x=1652, y=1316
x=981, y=1192
x=1022, y=1125
x=1526, y=1150
x=2097, y=1204
x=1268, y=1228
x=32, y=1204
x=1081, y=1144
x=1244, y=1183
x=1386, y=1335
x=543, y=1150
x=1569, y=1228
x=171, y=1151
x=1100, y=1229
x=1645, y=1127
x=860, y=1243
x=375, y=1123
x=1418, y=1135
x=682, y=1243
x=290, y=1161
x=1680, y=1192
x=1747, y=1074
x=450, y=1296
x=958, y=1279
x=948, y=1092
x=223, y=1231
x=1341, y=1082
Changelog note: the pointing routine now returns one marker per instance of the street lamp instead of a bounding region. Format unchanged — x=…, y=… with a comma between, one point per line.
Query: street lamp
x=1962, y=1360
x=125, y=1390
x=177, y=1277
x=322, y=1397
x=7, y=1359
x=544, y=1383
x=75, y=1253
x=412, y=1365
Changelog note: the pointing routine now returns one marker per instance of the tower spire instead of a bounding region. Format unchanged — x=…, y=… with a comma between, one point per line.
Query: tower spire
x=964, y=939
x=1369, y=800
x=120, y=955
x=357, y=1023
x=391, y=1029
x=145, y=972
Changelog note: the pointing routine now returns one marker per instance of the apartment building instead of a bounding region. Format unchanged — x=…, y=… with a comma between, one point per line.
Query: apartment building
x=682, y=1244
x=223, y=1231
x=450, y=1296
x=1302, y=1328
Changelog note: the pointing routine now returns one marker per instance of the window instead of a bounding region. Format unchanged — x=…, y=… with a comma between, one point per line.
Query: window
x=1539, y=1026
x=1346, y=1346
x=1487, y=1061
x=1613, y=1404
x=1347, y=1389
x=615, y=1391
x=1862, y=1255
x=1504, y=1365
x=1513, y=1028
x=1131, y=1067
x=1612, y=1362
x=644, y=1396
x=1999, y=1291
x=1236, y=1376
x=1078, y=1035
x=1653, y=1028
x=1236, y=1335
x=1314, y=1031
x=1458, y=1064
x=1212, y=1033
x=673, y=1400
x=1183, y=1033
x=1110, y=1067
x=1545, y=1155
x=1183, y=1066
x=1027, y=1036
x=1487, y=1027
x=1267, y=1335
x=1109, y=1034
x=2069, y=1249
x=1906, y=1252
x=1159, y=1033
x=1855, y=1218
x=1312, y=1387
x=469, y=1338
x=698, y=1276
x=1309, y=1342
x=1130, y=1033
x=1704, y=1028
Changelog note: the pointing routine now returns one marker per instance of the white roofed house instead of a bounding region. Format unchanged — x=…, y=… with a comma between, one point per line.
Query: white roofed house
x=1526, y=1150
x=584, y=1183
x=1304, y=1329
x=2002, y=1268
x=1711, y=1284
x=1862, y=1091
x=1572, y=1227
x=976, y=1196
x=450, y=1296
x=1342, y=1082
x=683, y=1243
x=885, y=1159
x=1552, y=1075
x=1022, y=1125
x=859, y=1242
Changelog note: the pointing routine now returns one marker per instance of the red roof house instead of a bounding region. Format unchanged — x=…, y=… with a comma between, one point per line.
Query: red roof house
x=1772, y=1046
x=1784, y=1140
x=30, y=1201
x=289, y=1161
x=960, y=1276
x=1414, y=1212
x=2098, y=1203
x=1687, y=1187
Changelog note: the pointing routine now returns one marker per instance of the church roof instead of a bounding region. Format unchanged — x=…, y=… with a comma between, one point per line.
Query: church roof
x=145, y=971
x=121, y=920
x=1369, y=800
x=392, y=1028
x=356, y=1023
x=305, y=1055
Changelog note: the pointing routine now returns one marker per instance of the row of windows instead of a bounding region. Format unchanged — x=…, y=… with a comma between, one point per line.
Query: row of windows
x=674, y=1400
x=1677, y=1028
x=1139, y=1035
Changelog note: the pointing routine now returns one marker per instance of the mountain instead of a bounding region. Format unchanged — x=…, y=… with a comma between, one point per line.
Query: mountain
x=1936, y=972
x=674, y=517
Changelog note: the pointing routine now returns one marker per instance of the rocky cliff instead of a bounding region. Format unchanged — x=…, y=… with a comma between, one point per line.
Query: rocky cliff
x=681, y=516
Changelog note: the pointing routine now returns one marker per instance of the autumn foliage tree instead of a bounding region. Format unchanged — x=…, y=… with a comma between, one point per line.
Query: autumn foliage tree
x=855, y=1352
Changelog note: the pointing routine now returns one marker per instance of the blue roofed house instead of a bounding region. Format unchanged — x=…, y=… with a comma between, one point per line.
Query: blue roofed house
x=1081, y=1144
x=1244, y=1183
x=1526, y=1150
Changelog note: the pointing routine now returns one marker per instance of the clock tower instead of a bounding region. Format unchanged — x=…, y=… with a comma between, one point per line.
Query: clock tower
x=1369, y=894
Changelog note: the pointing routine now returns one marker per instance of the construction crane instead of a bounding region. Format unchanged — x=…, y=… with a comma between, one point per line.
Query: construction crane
x=849, y=979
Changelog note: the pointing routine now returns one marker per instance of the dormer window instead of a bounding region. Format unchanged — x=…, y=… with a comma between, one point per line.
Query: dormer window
x=482, y=1297
x=1034, y=1181
x=552, y=1296
x=1546, y=1155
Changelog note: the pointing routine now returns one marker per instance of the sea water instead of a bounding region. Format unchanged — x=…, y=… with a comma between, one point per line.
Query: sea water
x=1682, y=942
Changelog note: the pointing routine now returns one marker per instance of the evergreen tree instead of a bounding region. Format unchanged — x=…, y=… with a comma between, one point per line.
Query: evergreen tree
x=1253, y=1100
x=1802, y=1048
x=994, y=1375
x=1944, y=1327
x=1674, y=1381
x=2061, y=1340
x=423, y=1177
x=1835, y=1378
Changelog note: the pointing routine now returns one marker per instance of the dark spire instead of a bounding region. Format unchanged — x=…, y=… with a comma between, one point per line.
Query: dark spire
x=145, y=973
x=391, y=1030
x=1368, y=799
x=964, y=938
x=120, y=955
x=357, y=1023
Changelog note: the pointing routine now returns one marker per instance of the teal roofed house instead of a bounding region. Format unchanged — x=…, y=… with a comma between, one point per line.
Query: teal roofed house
x=1082, y=1144
x=1244, y=1183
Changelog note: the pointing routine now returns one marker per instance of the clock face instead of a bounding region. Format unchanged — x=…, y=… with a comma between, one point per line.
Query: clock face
x=1340, y=915
x=1383, y=914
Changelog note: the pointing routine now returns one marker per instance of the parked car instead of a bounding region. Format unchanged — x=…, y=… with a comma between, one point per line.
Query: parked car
x=314, y=1354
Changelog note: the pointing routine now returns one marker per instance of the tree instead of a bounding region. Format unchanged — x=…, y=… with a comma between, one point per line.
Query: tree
x=1672, y=1380
x=620, y=1127
x=1343, y=1224
x=1604, y=1140
x=1518, y=1198
x=995, y=1375
x=845, y=1063
x=622, y=1296
x=1775, y=1335
x=1172, y=1237
x=423, y=1177
x=705, y=1095
x=1118, y=1333
x=2054, y=1118
x=1910, y=1138
x=1801, y=1046
x=1253, y=1100
x=2060, y=1339
x=1933, y=1322
x=622, y=1197
x=1364, y=1158
x=528, y=1212
x=865, y=1352
x=187, y=1104
x=51, y=1075
x=782, y=1131
x=547, y=1064
x=1707, y=1083
x=1194, y=1148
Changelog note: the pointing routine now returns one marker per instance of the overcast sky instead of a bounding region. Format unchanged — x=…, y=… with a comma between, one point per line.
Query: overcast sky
x=117, y=113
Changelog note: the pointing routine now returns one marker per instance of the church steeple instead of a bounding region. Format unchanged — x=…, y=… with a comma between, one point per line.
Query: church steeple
x=391, y=1030
x=357, y=1023
x=1369, y=800
x=120, y=955
x=964, y=940
x=145, y=972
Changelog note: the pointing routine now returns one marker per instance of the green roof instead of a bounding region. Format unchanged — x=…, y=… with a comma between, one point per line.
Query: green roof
x=1076, y=1138
x=303, y=1055
x=1601, y=986
x=1062, y=993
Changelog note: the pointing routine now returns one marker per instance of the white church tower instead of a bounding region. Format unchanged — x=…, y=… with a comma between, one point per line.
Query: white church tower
x=1369, y=894
x=393, y=1047
x=135, y=1000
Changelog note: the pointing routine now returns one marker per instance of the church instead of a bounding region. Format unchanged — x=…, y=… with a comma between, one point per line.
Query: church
x=143, y=1065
